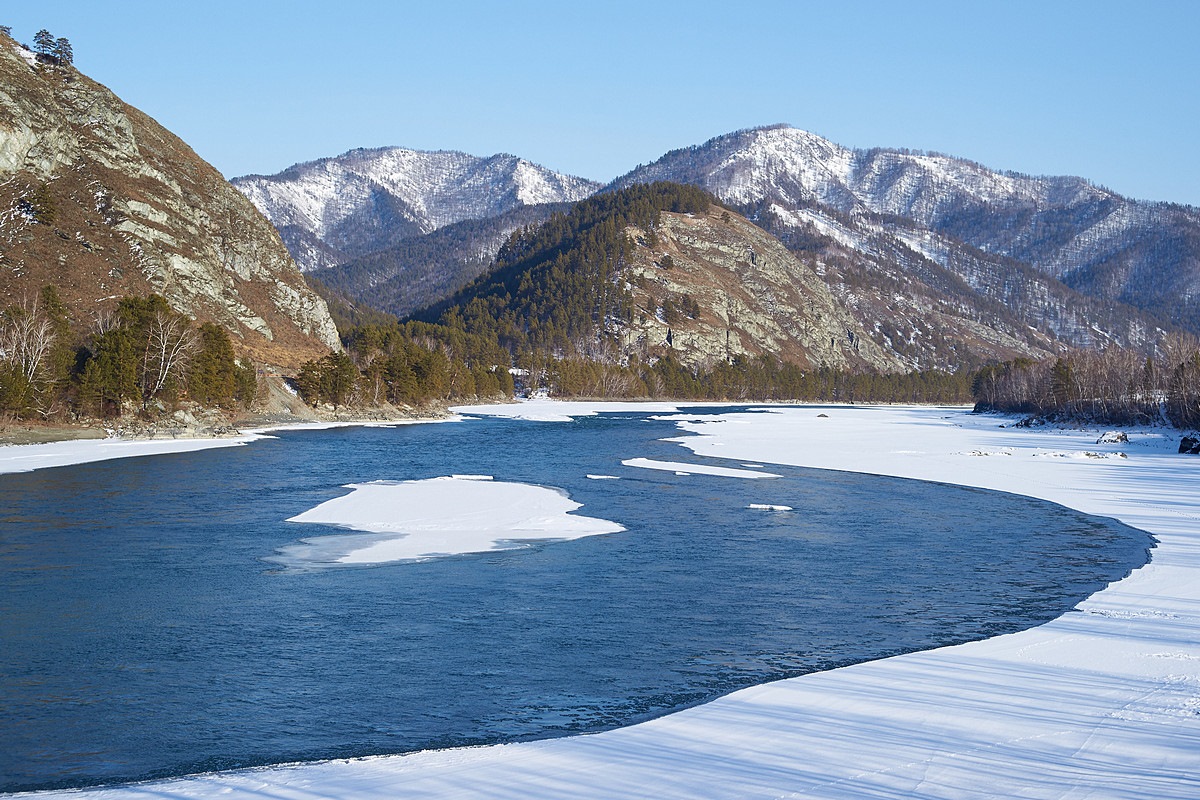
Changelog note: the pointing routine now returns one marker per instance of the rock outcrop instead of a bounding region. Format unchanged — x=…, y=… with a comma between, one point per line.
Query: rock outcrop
x=101, y=201
x=711, y=287
x=723, y=287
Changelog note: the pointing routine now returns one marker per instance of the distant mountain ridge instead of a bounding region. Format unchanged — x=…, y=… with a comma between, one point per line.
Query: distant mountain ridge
x=333, y=210
x=942, y=261
x=1106, y=246
x=421, y=270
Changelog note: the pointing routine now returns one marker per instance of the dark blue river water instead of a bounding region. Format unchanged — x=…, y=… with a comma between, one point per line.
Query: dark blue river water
x=143, y=633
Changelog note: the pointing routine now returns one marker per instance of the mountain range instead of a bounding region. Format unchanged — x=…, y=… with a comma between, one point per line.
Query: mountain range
x=797, y=248
x=335, y=209
x=1101, y=244
x=941, y=261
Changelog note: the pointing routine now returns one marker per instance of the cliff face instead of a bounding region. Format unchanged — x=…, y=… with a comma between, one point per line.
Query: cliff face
x=101, y=201
x=724, y=287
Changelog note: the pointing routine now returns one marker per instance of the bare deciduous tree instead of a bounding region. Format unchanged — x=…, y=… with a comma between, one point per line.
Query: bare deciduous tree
x=26, y=338
x=170, y=345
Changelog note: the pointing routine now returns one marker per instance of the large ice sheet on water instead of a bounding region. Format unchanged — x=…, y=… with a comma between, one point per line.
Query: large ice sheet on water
x=438, y=517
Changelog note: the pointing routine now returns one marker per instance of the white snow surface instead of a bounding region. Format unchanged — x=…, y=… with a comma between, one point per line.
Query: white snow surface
x=684, y=468
x=546, y=410
x=27, y=457
x=440, y=517
x=1103, y=702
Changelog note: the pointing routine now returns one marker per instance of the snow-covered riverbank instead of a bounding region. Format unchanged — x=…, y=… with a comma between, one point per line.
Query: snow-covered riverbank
x=1102, y=702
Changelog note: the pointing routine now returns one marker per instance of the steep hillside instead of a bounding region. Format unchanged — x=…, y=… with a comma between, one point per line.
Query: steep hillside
x=757, y=297
x=1108, y=247
x=908, y=283
x=101, y=201
x=335, y=209
x=711, y=286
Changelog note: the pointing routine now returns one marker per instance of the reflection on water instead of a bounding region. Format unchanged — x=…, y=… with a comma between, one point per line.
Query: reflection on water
x=145, y=634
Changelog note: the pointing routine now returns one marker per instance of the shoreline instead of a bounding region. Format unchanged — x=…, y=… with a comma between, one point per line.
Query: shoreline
x=1101, y=702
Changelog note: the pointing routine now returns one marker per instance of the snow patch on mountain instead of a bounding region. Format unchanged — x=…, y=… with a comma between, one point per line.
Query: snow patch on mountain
x=364, y=200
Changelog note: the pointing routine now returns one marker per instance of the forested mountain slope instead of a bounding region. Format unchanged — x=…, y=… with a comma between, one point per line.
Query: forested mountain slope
x=661, y=269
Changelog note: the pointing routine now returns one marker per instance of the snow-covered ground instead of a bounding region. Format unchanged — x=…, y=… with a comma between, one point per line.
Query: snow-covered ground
x=1103, y=702
x=24, y=458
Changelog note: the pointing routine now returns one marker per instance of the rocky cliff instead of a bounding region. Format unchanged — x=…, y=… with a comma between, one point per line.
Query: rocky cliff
x=101, y=201
x=724, y=287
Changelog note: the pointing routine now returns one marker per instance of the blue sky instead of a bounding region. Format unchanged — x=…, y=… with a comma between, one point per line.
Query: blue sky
x=1100, y=89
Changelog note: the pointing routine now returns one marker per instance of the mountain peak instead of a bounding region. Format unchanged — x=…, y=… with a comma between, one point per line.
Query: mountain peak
x=364, y=200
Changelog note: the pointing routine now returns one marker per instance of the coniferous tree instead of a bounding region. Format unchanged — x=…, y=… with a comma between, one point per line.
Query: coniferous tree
x=43, y=42
x=63, y=51
x=213, y=379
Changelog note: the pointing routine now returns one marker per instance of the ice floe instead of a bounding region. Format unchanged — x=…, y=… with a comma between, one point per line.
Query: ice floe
x=437, y=517
x=684, y=468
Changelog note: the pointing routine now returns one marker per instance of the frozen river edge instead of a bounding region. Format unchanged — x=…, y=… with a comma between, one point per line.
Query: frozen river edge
x=1102, y=702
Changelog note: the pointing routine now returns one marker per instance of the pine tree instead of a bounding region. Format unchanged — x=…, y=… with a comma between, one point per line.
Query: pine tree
x=43, y=42
x=63, y=51
x=212, y=379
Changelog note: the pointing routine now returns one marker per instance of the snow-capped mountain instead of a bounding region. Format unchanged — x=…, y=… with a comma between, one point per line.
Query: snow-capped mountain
x=1104, y=245
x=334, y=209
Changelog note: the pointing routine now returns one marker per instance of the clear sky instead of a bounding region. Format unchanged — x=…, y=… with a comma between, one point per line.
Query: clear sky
x=1106, y=90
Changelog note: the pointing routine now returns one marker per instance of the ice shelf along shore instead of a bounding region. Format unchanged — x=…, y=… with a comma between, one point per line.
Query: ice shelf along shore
x=1103, y=702
x=26, y=457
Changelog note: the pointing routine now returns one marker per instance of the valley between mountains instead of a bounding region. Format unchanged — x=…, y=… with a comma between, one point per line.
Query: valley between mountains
x=768, y=263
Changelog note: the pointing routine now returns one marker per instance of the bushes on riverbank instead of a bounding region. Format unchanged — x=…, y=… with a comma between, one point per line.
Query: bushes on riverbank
x=1111, y=387
x=141, y=355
